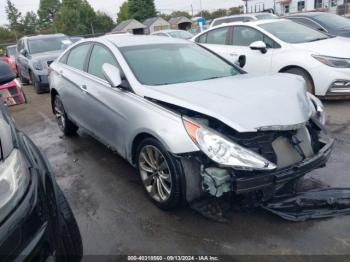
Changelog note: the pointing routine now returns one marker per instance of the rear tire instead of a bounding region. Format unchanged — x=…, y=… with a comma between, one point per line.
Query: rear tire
x=70, y=242
x=159, y=173
x=67, y=127
x=300, y=72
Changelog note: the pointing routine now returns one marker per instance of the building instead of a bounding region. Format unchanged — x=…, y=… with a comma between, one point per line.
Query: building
x=130, y=26
x=294, y=6
x=154, y=24
x=181, y=22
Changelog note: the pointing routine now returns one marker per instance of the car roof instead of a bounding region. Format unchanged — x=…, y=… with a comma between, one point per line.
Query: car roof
x=167, y=31
x=242, y=15
x=134, y=40
x=44, y=36
x=307, y=14
x=254, y=22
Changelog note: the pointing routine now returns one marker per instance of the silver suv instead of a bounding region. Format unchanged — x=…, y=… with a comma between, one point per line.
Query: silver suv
x=35, y=54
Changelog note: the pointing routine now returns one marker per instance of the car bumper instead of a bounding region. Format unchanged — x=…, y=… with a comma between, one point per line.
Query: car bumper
x=30, y=232
x=331, y=82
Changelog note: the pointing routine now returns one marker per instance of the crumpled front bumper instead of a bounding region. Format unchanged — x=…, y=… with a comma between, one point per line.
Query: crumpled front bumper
x=246, y=183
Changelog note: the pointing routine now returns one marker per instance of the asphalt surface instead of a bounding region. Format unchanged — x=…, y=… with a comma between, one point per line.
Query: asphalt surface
x=115, y=216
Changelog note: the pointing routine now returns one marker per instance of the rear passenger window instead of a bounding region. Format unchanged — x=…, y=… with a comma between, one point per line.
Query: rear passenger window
x=202, y=39
x=77, y=55
x=217, y=36
x=99, y=56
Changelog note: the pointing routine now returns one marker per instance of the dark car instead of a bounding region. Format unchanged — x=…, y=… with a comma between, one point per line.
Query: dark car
x=36, y=221
x=329, y=23
x=35, y=54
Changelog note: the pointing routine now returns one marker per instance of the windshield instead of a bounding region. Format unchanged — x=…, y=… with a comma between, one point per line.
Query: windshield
x=291, y=32
x=333, y=21
x=165, y=64
x=11, y=50
x=48, y=44
x=180, y=34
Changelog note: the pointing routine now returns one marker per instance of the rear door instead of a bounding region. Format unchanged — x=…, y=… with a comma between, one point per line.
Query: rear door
x=21, y=60
x=217, y=40
x=241, y=37
x=72, y=83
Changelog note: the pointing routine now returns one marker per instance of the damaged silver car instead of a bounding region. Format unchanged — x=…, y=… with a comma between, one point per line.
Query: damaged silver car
x=193, y=124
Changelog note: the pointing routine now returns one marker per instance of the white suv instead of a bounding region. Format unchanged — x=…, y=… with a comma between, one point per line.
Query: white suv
x=281, y=45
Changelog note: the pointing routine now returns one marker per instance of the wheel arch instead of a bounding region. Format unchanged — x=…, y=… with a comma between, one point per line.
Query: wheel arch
x=286, y=68
x=53, y=93
x=137, y=140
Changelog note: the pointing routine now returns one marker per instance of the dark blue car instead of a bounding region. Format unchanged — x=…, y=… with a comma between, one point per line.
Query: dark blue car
x=331, y=24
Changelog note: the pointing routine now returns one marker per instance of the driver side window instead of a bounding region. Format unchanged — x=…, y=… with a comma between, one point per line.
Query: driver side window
x=99, y=56
x=245, y=36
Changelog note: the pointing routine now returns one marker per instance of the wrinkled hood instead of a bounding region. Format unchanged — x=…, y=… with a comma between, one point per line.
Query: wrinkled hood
x=329, y=47
x=245, y=102
x=46, y=56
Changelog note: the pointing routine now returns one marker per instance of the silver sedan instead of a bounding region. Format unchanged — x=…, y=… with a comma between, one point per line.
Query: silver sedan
x=192, y=123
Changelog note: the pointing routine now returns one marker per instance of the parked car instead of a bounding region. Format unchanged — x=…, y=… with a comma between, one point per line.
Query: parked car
x=192, y=123
x=36, y=222
x=325, y=22
x=9, y=57
x=174, y=33
x=11, y=93
x=35, y=54
x=75, y=38
x=242, y=18
x=272, y=46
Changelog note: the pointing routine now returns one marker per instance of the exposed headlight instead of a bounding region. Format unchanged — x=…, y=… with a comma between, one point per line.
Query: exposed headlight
x=333, y=61
x=14, y=180
x=37, y=65
x=320, y=114
x=224, y=151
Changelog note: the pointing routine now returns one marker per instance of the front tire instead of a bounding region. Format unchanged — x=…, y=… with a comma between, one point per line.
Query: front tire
x=70, y=242
x=67, y=127
x=23, y=80
x=159, y=174
x=300, y=72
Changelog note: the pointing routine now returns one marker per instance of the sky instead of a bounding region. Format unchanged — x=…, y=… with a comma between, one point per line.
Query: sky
x=111, y=7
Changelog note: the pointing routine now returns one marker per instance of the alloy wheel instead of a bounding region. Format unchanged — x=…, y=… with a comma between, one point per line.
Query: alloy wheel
x=59, y=113
x=155, y=173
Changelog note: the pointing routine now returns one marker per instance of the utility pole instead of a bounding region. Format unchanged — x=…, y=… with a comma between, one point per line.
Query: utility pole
x=192, y=9
x=92, y=30
x=200, y=4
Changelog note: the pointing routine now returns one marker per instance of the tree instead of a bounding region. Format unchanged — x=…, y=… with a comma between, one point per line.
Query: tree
x=47, y=12
x=6, y=35
x=123, y=13
x=141, y=9
x=14, y=17
x=103, y=23
x=180, y=13
x=164, y=16
x=218, y=13
x=30, y=23
x=205, y=14
x=235, y=10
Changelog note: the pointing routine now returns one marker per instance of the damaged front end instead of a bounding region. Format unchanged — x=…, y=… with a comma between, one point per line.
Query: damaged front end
x=270, y=160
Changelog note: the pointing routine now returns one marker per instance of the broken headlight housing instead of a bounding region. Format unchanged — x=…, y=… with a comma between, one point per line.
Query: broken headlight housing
x=14, y=181
x=224, y=151
x=319, y=108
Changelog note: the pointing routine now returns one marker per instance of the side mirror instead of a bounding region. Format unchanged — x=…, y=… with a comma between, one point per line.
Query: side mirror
x=242, y=59
x=112, y=75
x=259, y=45
x=6, y=73
x=24, y=52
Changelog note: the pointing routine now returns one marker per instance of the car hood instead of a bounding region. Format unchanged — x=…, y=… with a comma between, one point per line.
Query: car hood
x=329, y=47
x=46, y=56
x=245, y=103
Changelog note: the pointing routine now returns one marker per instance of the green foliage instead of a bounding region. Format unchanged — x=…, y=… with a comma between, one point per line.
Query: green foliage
x=141, y=9
x=103, y=23
x=123, y=13
x=235, y=10
x=30, y=23
x=164, y=16
x=46, y=12
x=14, y=17
x=6, y=35
x=218, y=13
x=180, y=13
